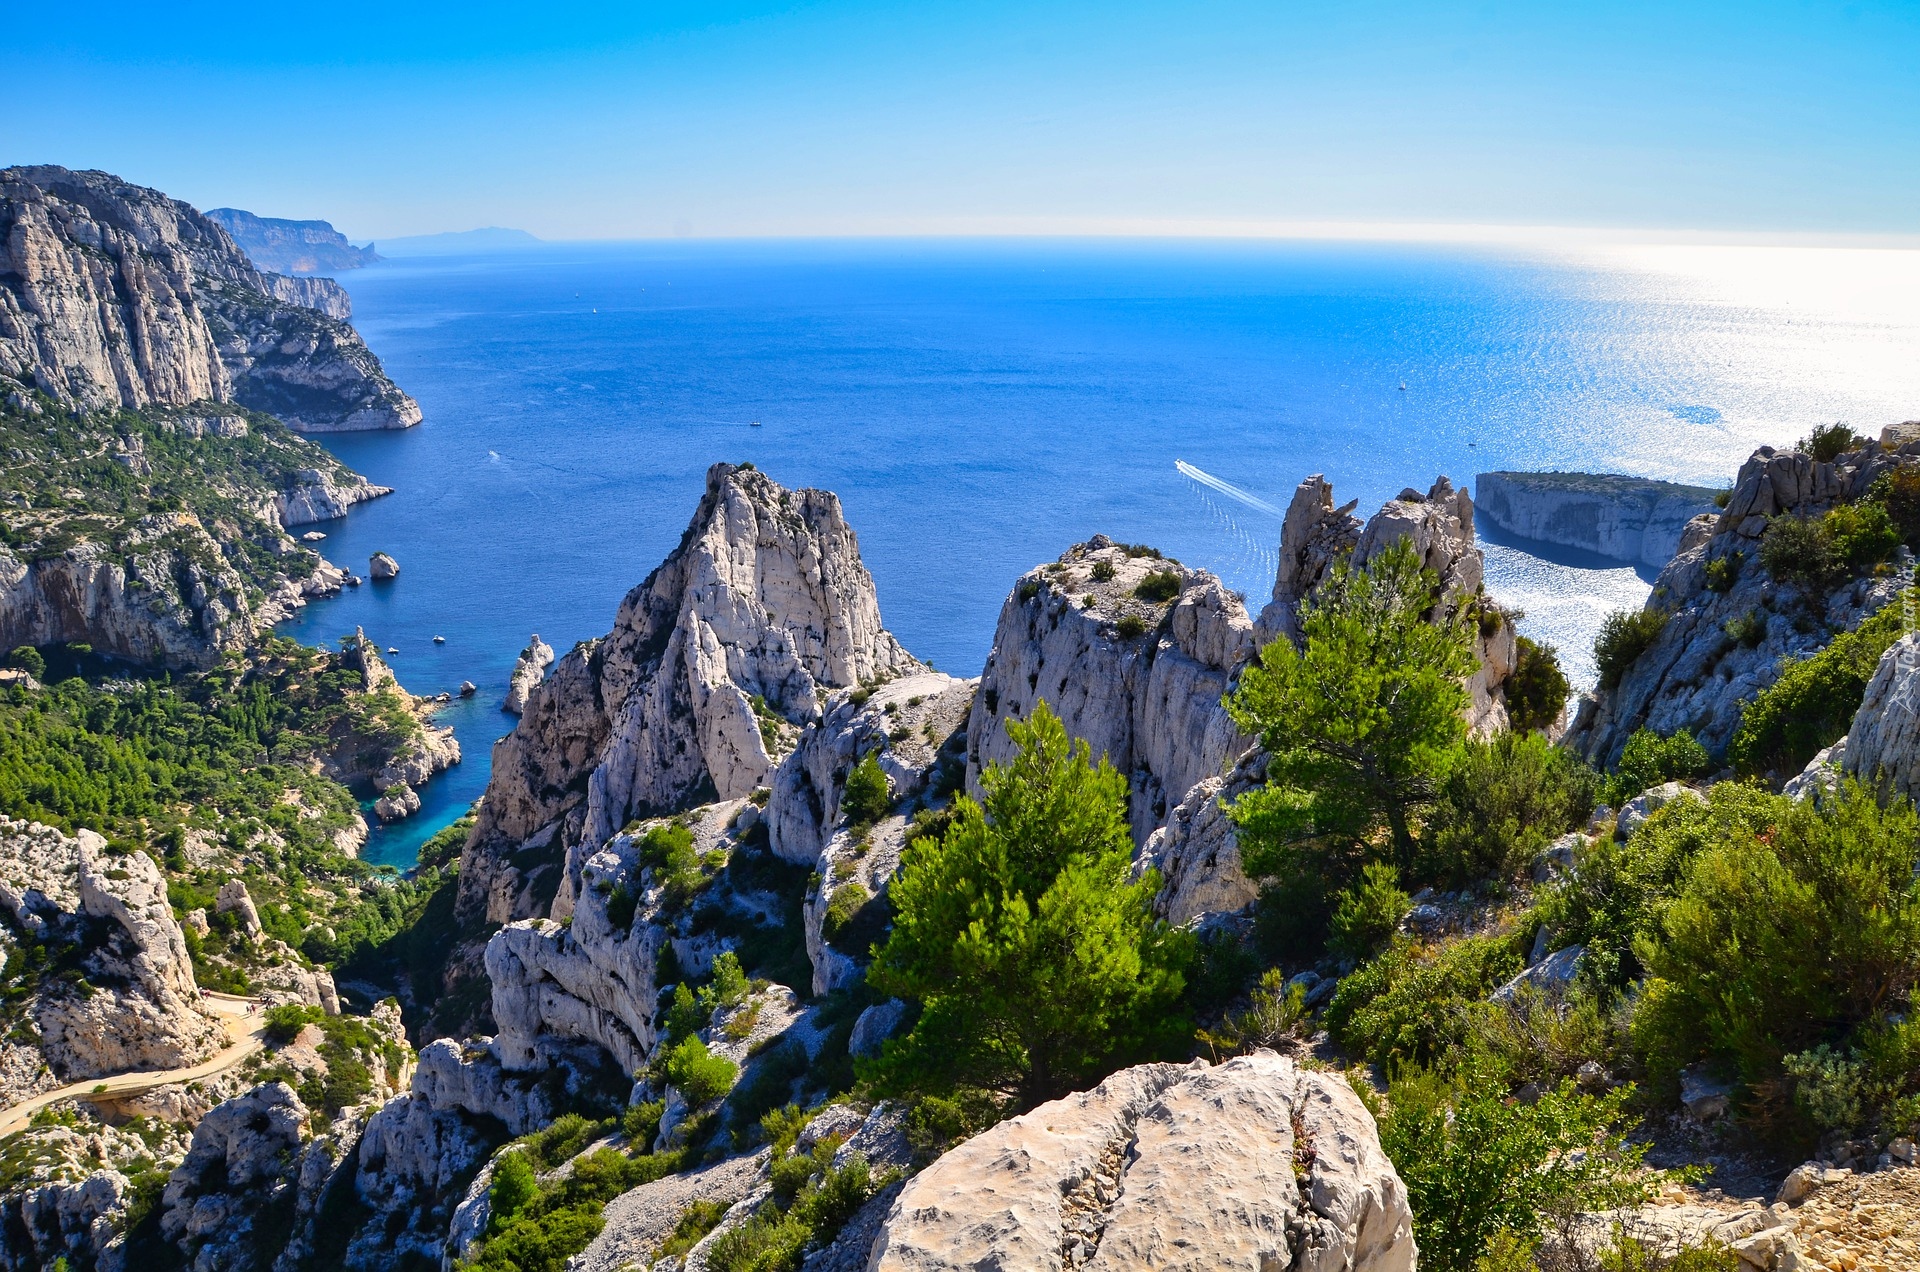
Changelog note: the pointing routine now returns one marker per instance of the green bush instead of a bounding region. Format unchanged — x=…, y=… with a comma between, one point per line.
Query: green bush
x=867, y=796
x=846, y=903
x=641, y=1122
x=1863, y=534
x=1624, y=636
x=667, y=849
x=1158, y=586
x=1618, y=893
x=1724, y=572
x=1818, y=554
x=285, y=1022
x=1537, y=691
x=1130, y=627
x=1416, y=1004
x=1899, y=493
x=1799, y=934
x=1649, y=760
x=1500, y=804
x=1747, y=629
x=1035, y=958
x=622, y=903
x=1828, y=442
x=1477, y=1165
x=699, y=1218
x=1813, y=702
x=1102, y=572
x=701, y=1076
x=29, y=660
x=512, y=1189
x=1368, y=912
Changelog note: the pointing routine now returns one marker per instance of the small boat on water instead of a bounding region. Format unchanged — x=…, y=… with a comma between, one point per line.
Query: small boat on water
x=755, y=424
x=439, y=640
x=1403, y=386
x=392, y=650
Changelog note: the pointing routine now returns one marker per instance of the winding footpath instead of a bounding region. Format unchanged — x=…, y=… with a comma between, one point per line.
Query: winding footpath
x=246, y=1034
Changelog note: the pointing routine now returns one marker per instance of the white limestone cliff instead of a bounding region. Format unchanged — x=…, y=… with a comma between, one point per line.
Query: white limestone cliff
x=713, y=664
x=1632, y=519
x=529, y=669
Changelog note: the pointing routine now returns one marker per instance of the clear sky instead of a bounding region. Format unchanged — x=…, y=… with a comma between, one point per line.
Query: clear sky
x=577, y=120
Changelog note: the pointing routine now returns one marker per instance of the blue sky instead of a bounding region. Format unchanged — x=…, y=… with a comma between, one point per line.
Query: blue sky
x=596, y=121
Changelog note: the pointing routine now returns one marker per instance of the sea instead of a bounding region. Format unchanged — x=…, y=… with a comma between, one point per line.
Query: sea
x=980, y=406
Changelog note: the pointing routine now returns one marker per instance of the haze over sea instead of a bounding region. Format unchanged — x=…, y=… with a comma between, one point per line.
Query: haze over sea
x=980, y=406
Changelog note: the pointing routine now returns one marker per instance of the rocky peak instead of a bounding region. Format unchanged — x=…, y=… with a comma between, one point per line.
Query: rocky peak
x=713, y=663
x=113, y=295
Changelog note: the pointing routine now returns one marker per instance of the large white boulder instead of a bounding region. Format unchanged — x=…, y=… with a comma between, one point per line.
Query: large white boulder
x=1251, y=1164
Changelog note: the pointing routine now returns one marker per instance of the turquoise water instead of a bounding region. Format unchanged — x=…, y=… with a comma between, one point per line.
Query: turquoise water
x=979, y=407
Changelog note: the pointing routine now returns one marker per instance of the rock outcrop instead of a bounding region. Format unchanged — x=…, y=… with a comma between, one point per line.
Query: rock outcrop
x=381, y=567
x=138, y=1009
x=1882, y=748
x=712, y=665
x=71, y=1205
x=293, y=247
x=1439, y=525
x=1253, y=1164
x=1727, y=625
x=529, y=669
x=1632, y=519
x=113, y=295
x=1140, y=680
x=315, y=495
x=236, y=1171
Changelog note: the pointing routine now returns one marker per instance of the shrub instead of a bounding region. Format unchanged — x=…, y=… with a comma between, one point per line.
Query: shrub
x=1813, y=701
x=1415, y=1005
x=1801, y=933
x=668, y=849
x=1624, y=636
x=1369, y=911
x=1537, y=691
x=685, y=1015
x=1798, y=551
x=1035, y=958
x=1273, y=1009
x=867, y=795
x=701, y=1076
x=1649, y=760
x=285, y=1022
x=641, y=1122
x=1747, y=629
x=845, y=904
x=622, y=902
x=1899, y=493
x=1158, y=586
x=1102, y=572
x=1130, y=627
x=29, y=660
x=727, y=985
x=512, y=1188
x=1477, y=1165
x=1620, y=890
x=699, y=1218
x=1828, y=442
x=1500, y=804
x=1724, y=572
x=1862, y=534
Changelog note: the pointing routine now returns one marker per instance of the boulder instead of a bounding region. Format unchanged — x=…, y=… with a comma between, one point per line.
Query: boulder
x=381, y=566
x=1163, y=1166
x=1548, y=978
x=396, y=802
x=1704, y=1095
x=1648, y=802
x=528, y=670
x=1821, y=776
x=875, y=1025
x=234, y=899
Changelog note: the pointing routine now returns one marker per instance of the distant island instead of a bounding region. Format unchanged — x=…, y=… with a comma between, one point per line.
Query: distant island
x=491, y=238
x=292, y=247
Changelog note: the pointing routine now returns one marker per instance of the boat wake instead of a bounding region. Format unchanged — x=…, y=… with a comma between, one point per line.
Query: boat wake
x=1253, y=561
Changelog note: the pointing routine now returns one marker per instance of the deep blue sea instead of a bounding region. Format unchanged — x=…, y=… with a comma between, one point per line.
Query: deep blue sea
x=980, y=406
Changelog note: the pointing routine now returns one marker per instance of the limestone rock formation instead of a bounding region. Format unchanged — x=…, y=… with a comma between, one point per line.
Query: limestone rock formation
x=1696, y=676
x=73, y=1201
x=1140, y=680
x=1632, y=519
x=529, y=669
x=1883, y=747
x=233, y=898
x=236, y=1170
x=1169, y=1167
x=381, y=567
x=1198, y=851
x=293, y=247
x=722, y=651
x=411, y=1171
x=142, y=1010
x=317, y=495
x=115, y=295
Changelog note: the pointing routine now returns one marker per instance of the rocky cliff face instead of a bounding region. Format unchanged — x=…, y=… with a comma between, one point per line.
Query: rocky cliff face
x=1138, y=676
x=1631, y=519
x=1697, y=676
x=712, y=665
x=113, y=295
x=1254, y=1164
x=292, y=247
x=529, y=669
x=139, y=1007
